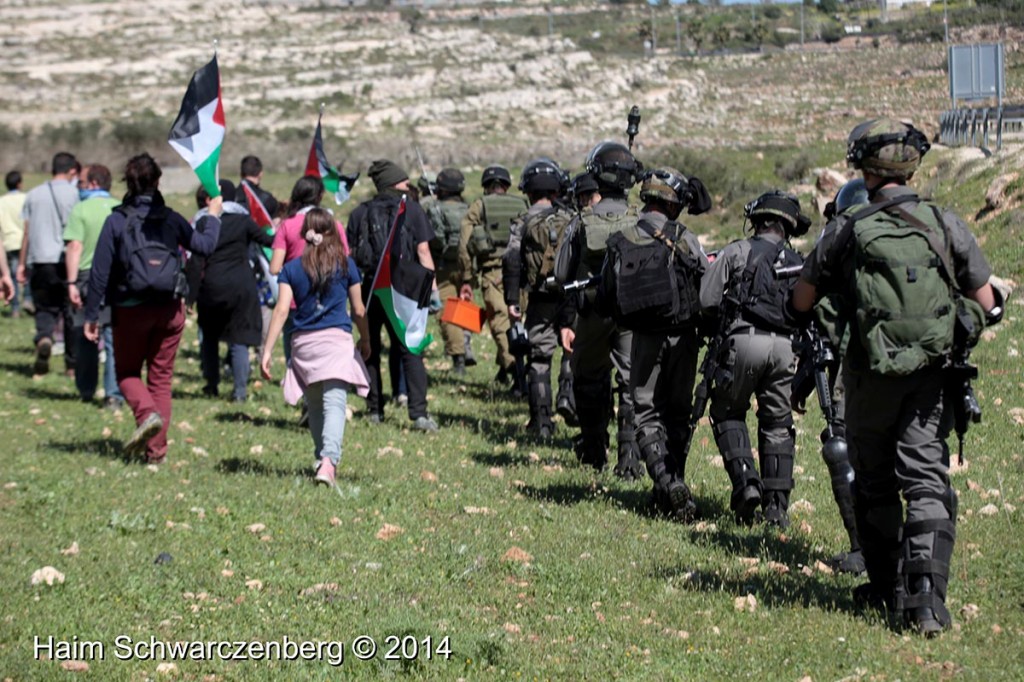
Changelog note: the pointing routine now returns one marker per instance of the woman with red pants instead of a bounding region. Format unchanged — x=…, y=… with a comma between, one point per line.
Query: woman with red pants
x=137, y=270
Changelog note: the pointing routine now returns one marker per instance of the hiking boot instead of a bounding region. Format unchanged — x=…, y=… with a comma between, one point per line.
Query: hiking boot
x=113, y=403
x=149, y=427
x=375, y=418
x=44, y=349
x=325, y=473
x=425, y=424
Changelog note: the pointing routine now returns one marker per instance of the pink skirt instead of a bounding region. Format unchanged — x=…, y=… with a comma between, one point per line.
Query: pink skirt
x=321, y=355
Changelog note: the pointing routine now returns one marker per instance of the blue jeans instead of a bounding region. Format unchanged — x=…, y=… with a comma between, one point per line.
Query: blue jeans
x=12, y=263
x=209, y=348
x=87, y=367
x=327, y=400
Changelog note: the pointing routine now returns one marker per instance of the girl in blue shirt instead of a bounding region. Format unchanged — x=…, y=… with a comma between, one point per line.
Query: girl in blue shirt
x=325, y=284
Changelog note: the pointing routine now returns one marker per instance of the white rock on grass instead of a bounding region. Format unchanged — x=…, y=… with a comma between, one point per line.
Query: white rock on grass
x=48, y=575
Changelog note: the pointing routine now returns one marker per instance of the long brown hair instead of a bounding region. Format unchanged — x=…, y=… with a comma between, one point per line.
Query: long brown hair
x=324, y=257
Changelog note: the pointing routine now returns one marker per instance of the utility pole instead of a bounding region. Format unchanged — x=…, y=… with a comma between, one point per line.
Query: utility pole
x=551, y=23
x=654, y=36
x=945, y=20
x=679, y=36
x=801, y=26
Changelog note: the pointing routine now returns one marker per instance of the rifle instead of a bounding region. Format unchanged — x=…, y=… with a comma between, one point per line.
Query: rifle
x=818, y=351
x=712, y=369
x=431, y=185
x=959, y=374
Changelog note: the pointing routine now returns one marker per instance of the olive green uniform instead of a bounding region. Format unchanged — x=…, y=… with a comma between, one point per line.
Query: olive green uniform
x=534, y=239
x=446, y=217
x=896, y=427
x=488, y=269
x=600, y=345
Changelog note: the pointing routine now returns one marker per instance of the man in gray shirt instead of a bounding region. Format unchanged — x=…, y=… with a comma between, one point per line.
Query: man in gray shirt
x=45, y=213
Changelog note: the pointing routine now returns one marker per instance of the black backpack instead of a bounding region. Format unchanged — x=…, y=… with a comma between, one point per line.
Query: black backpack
x=656, y=283
x=762, y=294
x=152, y=269
x=371, y=234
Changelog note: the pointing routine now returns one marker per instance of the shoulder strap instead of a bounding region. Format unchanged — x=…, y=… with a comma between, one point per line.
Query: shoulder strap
x=941, y=249
x=56, y=204
x=846, y=231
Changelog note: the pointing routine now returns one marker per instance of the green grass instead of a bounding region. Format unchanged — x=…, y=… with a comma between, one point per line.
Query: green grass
x=609, y=590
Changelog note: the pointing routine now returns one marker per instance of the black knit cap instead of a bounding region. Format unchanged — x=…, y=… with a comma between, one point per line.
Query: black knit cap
x=386, y=174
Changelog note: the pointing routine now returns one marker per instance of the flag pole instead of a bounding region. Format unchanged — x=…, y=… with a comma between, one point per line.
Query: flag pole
x=387, y=247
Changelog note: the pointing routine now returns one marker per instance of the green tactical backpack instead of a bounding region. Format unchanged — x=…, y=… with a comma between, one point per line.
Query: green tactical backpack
x=446, y=219
x=903, y=287
x=542, y=233
x=491, y=236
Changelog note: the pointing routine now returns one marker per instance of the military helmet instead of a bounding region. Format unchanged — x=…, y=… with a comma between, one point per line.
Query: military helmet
x=451, y=180
x=542, y=175
x=583, y=183
x=851, y=194
x=666, y=184
x=614, y=166
x=496, y=174
x=779, y=206
x=886, y=148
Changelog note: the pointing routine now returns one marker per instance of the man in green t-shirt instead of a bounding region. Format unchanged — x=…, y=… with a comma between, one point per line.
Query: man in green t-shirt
x=83, y=231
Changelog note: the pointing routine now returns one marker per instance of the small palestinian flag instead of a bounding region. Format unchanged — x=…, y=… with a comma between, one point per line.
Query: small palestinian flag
x=403, y=287
x=316, y=165
x=198, y=132
x=259, y=213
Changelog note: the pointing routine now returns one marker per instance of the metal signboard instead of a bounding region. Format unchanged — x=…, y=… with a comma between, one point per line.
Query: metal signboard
x=976, y=72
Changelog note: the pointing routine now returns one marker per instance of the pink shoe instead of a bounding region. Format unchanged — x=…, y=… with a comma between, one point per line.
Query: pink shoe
x=325, y=472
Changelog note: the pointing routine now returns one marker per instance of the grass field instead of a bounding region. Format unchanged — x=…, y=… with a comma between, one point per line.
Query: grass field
x=512, y=560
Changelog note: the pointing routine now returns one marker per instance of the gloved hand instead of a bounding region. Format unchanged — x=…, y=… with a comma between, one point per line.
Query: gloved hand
x=435, y=301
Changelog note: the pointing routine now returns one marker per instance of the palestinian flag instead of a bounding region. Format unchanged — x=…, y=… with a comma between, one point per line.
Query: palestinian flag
x=403, y=287
x=316, y=165
x=259, y=213
x=198, y=132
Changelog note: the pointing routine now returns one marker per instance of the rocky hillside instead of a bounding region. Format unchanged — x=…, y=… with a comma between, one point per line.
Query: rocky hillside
x=464, y=91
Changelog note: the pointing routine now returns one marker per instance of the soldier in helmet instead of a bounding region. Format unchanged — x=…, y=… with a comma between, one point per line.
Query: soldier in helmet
x=583, y=191
x=741, y=285
x=528, y=262
x=597, y=344
x=913, y=284
x=445, y=213
x=650, y=283
x=834, y=450
x=484, y=236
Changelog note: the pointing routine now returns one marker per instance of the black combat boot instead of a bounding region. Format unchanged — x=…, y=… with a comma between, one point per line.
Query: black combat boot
x=540, y=406
x=459, y=365
x=921, y=590
x=733, y=443
x=628, y=467
x=565, y=405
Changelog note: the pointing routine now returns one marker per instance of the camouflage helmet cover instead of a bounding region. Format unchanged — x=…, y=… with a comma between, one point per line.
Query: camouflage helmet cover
x=781, y=207
x=887, y=148
x=666, y=184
